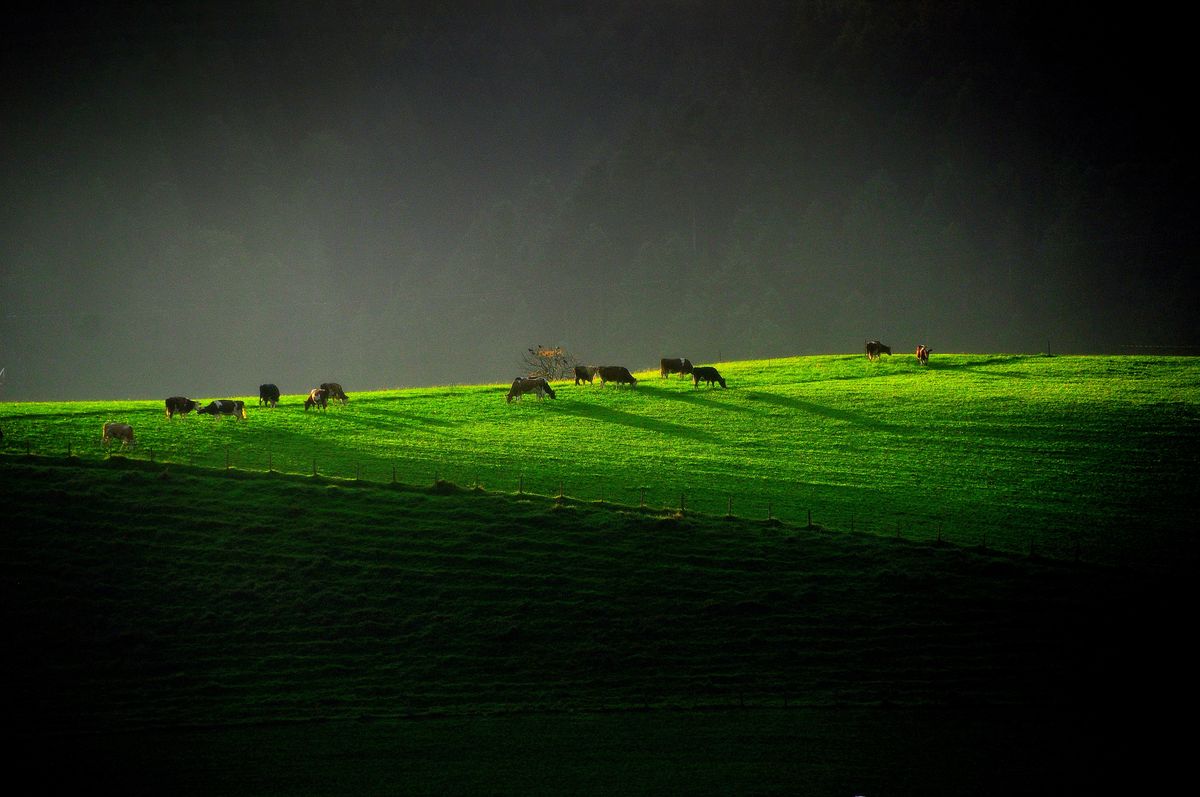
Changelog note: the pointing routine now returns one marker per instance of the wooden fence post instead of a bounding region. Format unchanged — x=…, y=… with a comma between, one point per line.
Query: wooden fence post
x=729, y=506
x=642, y=501
x=681, y=509
x=314, y=466
x=520, y=484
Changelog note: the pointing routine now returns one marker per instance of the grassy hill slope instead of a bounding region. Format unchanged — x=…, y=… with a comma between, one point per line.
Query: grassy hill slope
x=1074, y=456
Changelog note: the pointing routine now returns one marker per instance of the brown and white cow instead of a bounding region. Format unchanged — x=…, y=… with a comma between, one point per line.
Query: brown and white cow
x=117, y=431
x=676, y=365
x=923, y=354
x=317, y=397
x=616, y=373
x=529, y=384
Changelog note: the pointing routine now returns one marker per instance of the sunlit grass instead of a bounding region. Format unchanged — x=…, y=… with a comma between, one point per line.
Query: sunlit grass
x=1008, y=451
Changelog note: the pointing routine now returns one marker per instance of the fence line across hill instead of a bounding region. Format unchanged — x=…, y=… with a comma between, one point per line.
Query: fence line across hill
x=786, y=509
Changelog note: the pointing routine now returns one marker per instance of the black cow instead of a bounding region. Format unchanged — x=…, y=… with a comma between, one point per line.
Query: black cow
x=706, y=373
x=586, y=373
x=335, y=392
x=178, y=405
x=224, y=407
x=875, y=348
x=269, y=395
x=616, y=373
x=677, y=365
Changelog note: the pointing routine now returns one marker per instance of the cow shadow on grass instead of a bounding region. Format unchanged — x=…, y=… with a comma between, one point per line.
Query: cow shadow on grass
x=847, y=416
x=698, y=397
x=632, y=420
x=387, y=420
x=974, y=366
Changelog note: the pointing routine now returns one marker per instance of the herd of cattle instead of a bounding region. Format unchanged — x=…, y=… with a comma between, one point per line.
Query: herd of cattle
x=268, y=395
x=319, y=397
x=618, y=375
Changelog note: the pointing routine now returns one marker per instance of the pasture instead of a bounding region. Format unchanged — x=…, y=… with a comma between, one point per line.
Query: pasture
x=201, y=614
x=1089, y=457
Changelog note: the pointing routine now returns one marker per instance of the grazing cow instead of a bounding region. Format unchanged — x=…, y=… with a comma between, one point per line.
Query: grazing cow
x=616, y=373
x=269, y=395
x=178, y=405
x=317, y=397
x=232, y=407
x=335, y=392
x=586, y=373
x=677, y=365
x=117, y=431
x=529, y=384
x=923, y=354
x=706, y=373
x=875, y=348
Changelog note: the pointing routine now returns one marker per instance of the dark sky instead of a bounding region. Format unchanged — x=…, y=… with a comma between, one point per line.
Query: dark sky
x=200, y=197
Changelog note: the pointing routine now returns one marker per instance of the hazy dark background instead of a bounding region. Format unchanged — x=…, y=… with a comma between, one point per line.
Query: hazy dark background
x=201, y=197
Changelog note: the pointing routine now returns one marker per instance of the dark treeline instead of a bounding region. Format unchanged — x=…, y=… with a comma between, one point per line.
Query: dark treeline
x=398, y=197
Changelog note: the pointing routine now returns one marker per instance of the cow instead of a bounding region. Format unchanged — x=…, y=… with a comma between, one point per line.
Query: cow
x=586, y=373
x=875, y=348
x=706, y=373
x=232, y=407
x=616, y=373
x=178, y=405
x=335, y=392
x=269, y=395
x=529, y=384
x=117, y=431
x=317, y=397
x=677, y=365
x=923, y=354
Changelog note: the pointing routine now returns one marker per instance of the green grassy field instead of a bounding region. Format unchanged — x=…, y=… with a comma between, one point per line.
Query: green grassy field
x=1074, y=456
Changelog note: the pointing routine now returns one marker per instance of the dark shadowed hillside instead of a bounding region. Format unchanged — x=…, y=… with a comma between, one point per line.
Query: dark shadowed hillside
x=213, y=610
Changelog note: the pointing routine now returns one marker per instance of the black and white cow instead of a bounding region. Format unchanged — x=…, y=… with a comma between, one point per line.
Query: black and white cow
x=232, y=407
x=179, y=405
